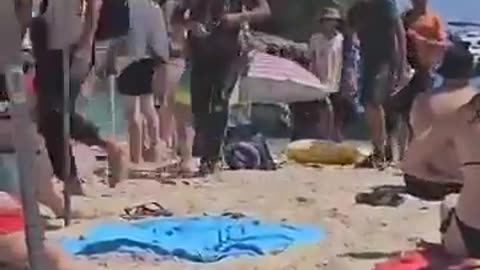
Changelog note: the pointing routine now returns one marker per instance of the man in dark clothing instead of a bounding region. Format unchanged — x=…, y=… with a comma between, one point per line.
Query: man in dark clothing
x=383, y=50
x=213, y=47
x=49, y=37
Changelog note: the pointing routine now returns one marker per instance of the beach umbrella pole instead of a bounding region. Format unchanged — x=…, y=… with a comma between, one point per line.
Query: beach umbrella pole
x=66, y=135
x=111, y=90
x=24, y=139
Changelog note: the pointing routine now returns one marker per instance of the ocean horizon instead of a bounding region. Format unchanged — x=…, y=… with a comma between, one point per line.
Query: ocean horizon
x=452, y=10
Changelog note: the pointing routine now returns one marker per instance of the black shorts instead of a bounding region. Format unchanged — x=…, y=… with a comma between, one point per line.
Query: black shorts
x=136, y=78
x=402, y=102
x=377, y=83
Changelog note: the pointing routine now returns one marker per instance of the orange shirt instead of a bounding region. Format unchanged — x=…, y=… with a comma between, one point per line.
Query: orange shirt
x=429, y=25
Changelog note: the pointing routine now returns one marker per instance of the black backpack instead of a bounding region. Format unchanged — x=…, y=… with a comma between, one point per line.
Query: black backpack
x=114, y=20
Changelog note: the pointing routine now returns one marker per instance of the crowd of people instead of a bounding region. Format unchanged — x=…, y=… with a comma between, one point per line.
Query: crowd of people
x=365, y=52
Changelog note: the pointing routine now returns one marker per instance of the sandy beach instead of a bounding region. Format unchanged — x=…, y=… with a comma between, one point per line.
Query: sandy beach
x=357, y=235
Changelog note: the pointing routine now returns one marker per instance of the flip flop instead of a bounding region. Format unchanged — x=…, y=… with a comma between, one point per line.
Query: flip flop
x=234, y=215
x=151, y=209
x=380, y=198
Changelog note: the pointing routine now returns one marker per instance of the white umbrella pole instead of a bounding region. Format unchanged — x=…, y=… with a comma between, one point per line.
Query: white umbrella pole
x=66, y=135
x=111, y=90
x=24, y=133
x=61, y=12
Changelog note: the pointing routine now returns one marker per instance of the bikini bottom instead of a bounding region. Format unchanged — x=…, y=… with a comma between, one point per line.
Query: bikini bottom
x=470, y=235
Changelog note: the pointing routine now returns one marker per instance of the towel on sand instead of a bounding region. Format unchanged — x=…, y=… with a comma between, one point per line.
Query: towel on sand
x=423, y=259
x=195, y=238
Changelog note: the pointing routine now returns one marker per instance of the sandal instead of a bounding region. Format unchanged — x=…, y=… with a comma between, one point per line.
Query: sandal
x=234, y=215
x=152, y=209
x=380, y=197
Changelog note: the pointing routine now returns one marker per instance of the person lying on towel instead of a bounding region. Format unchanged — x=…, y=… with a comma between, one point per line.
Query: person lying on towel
x=460, y=225
x=442, y=170
x=13, y=248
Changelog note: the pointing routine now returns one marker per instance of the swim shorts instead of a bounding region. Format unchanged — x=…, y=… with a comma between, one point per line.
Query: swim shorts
x=377, y=83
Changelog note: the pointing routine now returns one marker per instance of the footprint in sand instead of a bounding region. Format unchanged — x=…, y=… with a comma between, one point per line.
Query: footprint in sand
x=304, y=200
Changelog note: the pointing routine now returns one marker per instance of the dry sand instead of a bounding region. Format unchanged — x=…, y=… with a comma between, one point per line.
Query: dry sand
x=357, y=235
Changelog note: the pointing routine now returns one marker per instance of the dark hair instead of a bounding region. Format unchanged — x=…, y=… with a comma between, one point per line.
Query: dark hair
x=476, y=110
x=457, y=63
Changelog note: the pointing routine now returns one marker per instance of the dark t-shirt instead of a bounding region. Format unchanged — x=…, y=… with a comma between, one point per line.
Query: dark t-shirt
x=376, y=30
x=221, y=45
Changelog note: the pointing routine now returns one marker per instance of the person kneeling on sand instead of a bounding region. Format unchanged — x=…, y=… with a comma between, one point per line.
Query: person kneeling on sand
x=13, y=249
x=442, y=170
x=460, y=226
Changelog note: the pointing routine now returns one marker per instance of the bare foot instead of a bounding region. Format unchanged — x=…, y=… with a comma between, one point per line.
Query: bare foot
x=117, y=165
x=188, y=168
x=157, y=153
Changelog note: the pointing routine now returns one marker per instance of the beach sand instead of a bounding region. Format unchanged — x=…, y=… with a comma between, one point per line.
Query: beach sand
x=357, y=235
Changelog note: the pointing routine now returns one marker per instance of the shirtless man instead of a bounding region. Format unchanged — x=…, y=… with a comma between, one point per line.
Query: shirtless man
x=443, y=168
x=461, y=129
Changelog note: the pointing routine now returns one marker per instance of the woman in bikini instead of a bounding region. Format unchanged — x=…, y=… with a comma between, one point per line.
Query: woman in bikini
x=13, y=249
x=442, y=169
x=176, y=119
x=460, y=224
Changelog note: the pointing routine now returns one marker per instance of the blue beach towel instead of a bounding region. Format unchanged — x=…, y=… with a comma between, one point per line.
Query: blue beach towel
x=195, y=238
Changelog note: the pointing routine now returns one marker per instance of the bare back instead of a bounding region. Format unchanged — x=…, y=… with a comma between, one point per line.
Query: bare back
x=430, y=107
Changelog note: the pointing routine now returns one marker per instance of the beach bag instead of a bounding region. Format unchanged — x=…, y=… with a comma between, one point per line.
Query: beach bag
x=245, y=148
x=242, y=155
x=114, y=20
